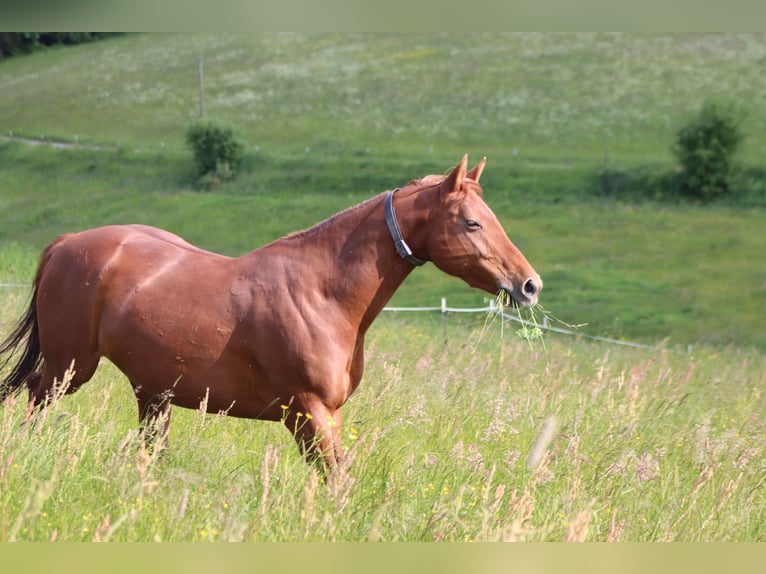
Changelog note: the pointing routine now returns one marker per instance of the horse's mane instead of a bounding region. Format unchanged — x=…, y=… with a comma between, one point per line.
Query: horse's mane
x=419, y=184
x=428, y=180
x=332, y=219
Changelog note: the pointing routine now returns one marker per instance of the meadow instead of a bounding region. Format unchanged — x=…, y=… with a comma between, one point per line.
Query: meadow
x=579, y=94
x=647, y=446
x=658, y=444
x=639, y=271
x=330, y=119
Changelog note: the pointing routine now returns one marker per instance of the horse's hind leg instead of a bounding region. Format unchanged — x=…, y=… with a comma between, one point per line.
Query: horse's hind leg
x=41, y=384
x=153, y=416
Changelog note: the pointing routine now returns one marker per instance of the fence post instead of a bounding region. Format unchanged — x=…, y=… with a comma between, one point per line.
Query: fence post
x=201, y=89
x=444, y=319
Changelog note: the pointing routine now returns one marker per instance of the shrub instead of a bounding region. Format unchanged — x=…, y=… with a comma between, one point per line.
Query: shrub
x=705, y=147
x=217, y=151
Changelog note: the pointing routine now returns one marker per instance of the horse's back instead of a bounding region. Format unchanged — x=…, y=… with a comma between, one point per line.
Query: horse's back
x=101, y=271
x=102, y=241
x=75, y=264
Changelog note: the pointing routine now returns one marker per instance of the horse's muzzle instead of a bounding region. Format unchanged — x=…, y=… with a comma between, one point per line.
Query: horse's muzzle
x=525, y=296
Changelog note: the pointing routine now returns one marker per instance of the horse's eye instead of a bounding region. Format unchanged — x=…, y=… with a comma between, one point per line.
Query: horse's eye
x=472, y=225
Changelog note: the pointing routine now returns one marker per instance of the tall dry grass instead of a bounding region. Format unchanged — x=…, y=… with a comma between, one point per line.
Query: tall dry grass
x=646, y=446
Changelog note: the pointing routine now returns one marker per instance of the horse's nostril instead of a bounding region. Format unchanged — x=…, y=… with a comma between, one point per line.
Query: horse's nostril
x=530, y=287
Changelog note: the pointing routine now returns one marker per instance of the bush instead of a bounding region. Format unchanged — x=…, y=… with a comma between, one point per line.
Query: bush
x=217, y=151
x=705, y=147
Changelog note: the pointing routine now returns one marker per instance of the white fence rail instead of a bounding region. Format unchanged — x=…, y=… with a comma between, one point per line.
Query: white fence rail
x=545, y=325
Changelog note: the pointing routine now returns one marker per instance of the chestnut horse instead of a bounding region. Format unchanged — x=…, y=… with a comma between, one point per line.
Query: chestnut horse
x=277, y=334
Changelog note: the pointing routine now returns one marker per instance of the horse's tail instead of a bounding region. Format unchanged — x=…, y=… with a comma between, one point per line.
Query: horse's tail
x=25, y=336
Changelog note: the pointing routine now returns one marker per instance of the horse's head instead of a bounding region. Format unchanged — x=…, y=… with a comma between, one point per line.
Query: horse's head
x=466, y=240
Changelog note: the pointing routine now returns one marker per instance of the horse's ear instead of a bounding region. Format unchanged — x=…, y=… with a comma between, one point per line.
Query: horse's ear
x=454, y=181
x=475, y=173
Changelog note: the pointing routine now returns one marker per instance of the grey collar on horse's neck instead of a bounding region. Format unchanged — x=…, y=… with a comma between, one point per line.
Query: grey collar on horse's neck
x=402, y=248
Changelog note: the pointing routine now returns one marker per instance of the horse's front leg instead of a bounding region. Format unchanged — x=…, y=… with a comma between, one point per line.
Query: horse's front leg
x=317, y=430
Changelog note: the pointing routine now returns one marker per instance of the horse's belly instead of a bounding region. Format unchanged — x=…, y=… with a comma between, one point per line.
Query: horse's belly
x=225, y=383
x=195, y=356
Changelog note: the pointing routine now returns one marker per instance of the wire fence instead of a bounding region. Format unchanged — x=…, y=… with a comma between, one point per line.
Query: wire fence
x=444, y=309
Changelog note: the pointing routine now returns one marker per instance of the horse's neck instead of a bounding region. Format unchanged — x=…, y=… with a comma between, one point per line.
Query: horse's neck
x=354, y=260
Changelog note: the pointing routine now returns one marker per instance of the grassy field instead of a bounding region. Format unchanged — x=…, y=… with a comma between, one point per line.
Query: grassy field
x=640, y=271
x=577, y=94
x=649, y=445
x=329, y=120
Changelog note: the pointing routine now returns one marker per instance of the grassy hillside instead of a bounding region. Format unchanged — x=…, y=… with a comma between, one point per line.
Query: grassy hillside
x=638, y=271
x=556, y=95
x=331, y=119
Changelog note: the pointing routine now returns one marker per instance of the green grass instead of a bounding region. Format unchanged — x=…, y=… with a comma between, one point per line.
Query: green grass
x=577, y=94
x=330, y=119
x=648, y=446
x=642, y=271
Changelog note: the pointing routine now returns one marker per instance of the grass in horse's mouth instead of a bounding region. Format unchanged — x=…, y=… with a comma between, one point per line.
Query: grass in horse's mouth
x=504, y=298
x=532, y=320
x=529, y=329
x=530, y=326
